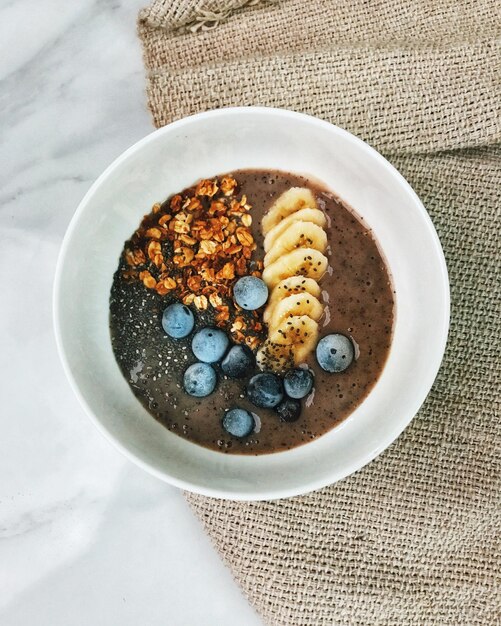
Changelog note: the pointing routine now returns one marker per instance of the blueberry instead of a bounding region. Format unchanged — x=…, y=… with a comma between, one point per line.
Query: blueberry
x=265, y=390
x=238, y=422
x=335, y=353
x=178, y=320
x=238, y=362
x=209, y=344
x=250, y=292
x=199, y=380
x=298, y=383
x=289, y=410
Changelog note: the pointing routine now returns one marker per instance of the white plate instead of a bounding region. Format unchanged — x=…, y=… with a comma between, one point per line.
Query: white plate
x=211, y=143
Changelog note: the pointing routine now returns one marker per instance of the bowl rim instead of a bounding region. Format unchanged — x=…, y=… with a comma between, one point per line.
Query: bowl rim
x=264, y=493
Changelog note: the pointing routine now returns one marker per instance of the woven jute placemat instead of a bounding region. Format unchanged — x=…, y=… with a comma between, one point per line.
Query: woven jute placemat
x=413, y=538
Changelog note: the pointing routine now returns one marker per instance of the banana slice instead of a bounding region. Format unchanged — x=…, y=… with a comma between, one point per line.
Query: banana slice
x=298, y=235
x=300, y=262
x=288, y=286
x=295, y=305
x=301, y=331
x=315, y=216
x=276, y=357
x=292, y=200
x=289, y=343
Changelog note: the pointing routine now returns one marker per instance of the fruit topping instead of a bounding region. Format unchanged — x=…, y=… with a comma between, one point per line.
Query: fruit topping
x=238, y=422
x=199, y=380
x=298, y=235
x=299, y=262
x=290, y=201
x=178, y=320
x=209, y=344
x=296, y=304
x=335, y=353
x=293, y=265
x=314, y=216
x=298, y=383
x=238, y=362
x=289, y=410
x=250, y=293
x=289, y=344
x=265, y=390
x=288, y=287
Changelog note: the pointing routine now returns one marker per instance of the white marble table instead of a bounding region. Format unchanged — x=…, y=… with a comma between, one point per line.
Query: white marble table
x=86, y=538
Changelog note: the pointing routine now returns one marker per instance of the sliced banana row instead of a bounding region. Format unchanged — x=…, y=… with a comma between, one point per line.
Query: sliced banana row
x=295, y=242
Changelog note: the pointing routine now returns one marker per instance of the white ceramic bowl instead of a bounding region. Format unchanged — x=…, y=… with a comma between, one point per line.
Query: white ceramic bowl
x=174, y=157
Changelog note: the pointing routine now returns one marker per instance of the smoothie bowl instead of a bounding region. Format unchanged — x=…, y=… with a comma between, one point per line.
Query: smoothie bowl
x=251, y=303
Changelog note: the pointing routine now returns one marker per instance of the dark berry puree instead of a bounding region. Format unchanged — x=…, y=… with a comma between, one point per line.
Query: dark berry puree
x=359, y=303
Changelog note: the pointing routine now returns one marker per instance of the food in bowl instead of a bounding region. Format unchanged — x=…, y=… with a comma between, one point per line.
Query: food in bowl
x=251, y=312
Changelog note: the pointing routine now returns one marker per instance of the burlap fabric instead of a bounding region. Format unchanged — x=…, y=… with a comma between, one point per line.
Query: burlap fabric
x=414, y=537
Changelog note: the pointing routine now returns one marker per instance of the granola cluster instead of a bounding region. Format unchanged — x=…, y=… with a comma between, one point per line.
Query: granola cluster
x=195, y=246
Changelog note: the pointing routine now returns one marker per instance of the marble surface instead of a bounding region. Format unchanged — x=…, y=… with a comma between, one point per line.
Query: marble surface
x=85, y=536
